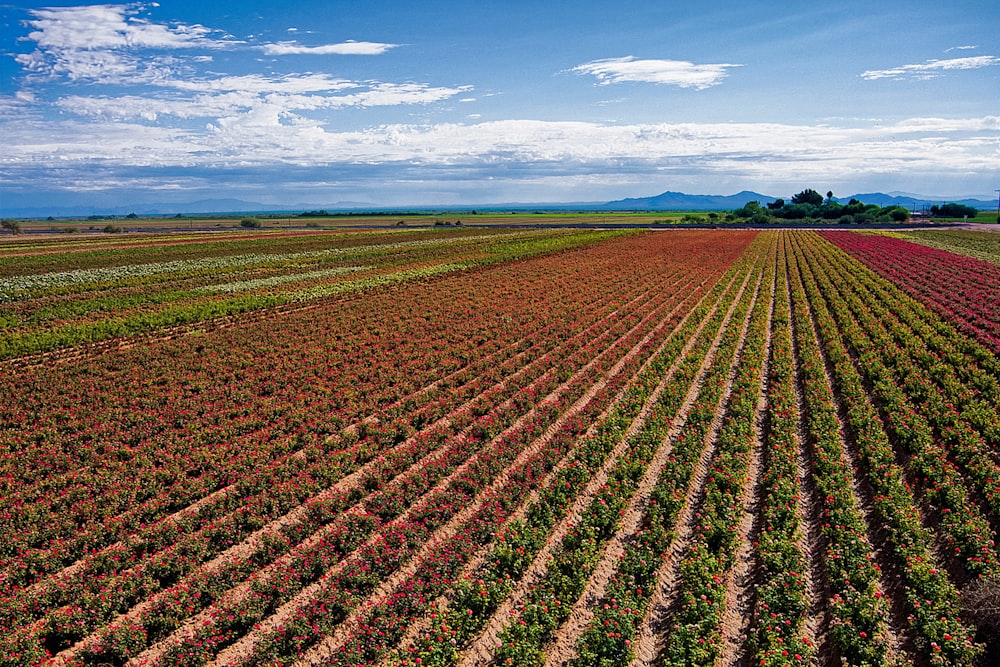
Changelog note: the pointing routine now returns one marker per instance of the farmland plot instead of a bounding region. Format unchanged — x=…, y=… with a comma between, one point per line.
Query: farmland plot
x=673, y=448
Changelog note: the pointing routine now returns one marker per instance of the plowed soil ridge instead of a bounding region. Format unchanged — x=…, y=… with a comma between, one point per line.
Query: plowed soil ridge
x=737, y=618
x=648, y=638
x=481, y=650
x=901, y=647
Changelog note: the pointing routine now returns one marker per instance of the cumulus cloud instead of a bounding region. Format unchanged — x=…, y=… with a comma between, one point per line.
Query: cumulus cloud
x=249, y=150
x=348, y=48
x=100, y=42
x=259, y=138
x=258, y=98
x=931, y=68
x=670, y=72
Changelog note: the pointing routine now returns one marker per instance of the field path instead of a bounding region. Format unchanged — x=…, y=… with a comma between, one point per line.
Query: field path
x=901, y=649
x=481, y=649
x=243, y=649
x=737, y=618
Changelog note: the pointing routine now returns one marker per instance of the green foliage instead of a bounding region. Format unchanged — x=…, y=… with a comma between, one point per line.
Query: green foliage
x=809, y=206
x=13, y=226
x=250, y=223
x=808, y=196
x=953, y=211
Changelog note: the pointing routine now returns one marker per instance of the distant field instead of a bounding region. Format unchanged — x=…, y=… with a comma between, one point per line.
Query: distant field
x=388, y=220
x=61, y=291
x=465, y=447
x=984, y=245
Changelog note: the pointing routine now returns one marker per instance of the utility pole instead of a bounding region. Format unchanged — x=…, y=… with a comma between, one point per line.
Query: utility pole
x=998, y=206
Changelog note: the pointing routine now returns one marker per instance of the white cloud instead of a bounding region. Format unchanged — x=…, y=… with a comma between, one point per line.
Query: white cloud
x=257, y=83
x=670, y=72
x=101, y=42
x=348, y=48
x=109, y=27
x=961, y=48
x=931, y=68
x=269, y=147
x=256, y=98
x=260, y=137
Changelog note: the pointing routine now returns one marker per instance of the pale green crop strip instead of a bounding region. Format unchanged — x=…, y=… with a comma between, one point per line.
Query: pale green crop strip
x=17, y=288
x=374, y=281
x=247, y=285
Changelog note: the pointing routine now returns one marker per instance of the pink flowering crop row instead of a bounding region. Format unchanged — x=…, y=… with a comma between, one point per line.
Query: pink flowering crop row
x=912, y=405
x=951, y=382
x=931, y=598
x=965, y=290
x=251, y=466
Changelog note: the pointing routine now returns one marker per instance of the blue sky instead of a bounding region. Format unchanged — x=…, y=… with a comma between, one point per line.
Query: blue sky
x=456, y=102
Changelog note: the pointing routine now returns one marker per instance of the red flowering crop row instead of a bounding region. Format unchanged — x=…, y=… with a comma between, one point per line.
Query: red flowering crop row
x=472, y=441
x=857, y=606
x=911, y=405
x=963, y=289
x=781, y=600
x=116, y=449
x=932, y=599
x=576, y=553
x=386, y=620
x=695, y=633
x=559, y=458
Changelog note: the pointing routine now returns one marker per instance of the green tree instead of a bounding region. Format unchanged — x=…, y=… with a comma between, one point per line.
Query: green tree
x=808, y=196
x=13, y=226
x=953, y=211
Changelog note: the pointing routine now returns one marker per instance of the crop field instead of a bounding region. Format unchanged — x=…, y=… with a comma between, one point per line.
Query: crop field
x=500, y=447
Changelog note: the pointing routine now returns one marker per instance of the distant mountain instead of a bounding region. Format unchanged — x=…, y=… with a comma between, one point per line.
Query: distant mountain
x=914, y=201
x=199, y=207
x=667, y=201
x=678, y=201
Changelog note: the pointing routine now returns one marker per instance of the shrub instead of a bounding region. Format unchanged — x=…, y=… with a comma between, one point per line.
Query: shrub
x=250, y=223
x=13, y=226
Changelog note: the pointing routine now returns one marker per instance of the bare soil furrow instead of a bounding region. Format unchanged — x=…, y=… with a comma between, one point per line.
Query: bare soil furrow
x=738, y=614
x=651, y=632
x=480, y=651
x=243, y=648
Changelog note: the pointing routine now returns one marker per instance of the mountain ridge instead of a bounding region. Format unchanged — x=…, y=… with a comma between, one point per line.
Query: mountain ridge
x=679, y=201
x=665, y=201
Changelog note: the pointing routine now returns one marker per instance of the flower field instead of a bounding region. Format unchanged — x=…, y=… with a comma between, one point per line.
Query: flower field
x=486, y=447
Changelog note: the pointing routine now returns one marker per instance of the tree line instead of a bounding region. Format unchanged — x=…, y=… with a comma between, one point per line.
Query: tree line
x=810, y=205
